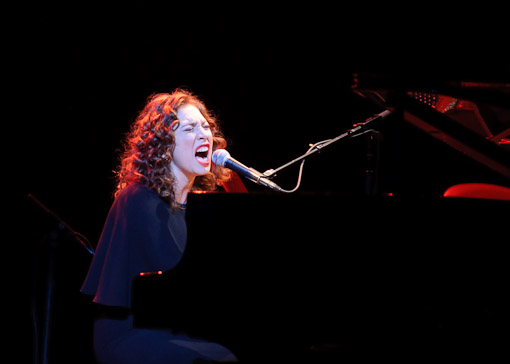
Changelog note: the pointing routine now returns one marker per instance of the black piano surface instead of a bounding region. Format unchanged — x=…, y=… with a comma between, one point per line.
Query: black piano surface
x=322, y=277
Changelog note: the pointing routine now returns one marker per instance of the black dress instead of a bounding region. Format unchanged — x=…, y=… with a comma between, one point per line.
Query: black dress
x=141, y=234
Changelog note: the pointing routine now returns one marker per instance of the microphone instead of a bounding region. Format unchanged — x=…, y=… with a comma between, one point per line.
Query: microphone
x=222, y=158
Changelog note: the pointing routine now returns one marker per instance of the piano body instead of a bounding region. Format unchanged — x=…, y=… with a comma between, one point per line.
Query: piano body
x=338, y=271
x=301, y=275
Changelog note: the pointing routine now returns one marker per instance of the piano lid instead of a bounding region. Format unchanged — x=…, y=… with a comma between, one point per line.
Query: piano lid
x=470, y=117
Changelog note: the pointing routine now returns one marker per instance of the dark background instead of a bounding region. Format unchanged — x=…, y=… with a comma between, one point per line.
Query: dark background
x=278, y=78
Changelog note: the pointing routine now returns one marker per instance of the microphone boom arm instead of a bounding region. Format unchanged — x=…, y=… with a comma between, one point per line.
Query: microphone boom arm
x=359, y=129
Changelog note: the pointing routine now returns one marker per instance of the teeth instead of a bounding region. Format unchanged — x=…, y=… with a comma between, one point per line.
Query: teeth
x=202, y=154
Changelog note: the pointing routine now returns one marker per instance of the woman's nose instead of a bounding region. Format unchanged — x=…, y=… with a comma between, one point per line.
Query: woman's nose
x=202, y=133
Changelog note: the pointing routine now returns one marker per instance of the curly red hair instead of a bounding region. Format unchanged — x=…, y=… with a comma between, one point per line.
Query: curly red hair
x=149, y=146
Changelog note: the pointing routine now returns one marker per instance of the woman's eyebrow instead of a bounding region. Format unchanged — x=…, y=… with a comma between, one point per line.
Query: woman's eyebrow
x=195, y=122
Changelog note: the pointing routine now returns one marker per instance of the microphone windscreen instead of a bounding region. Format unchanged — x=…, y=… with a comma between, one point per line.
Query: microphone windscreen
x=220, y=156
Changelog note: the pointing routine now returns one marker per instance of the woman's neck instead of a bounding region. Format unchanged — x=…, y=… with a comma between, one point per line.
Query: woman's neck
x=182, y=188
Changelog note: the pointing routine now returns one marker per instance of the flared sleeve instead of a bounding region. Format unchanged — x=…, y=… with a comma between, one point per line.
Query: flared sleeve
x=141, y=234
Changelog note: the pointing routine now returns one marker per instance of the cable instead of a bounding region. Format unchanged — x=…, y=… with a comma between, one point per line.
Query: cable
x=309, y=151
x=300, y=173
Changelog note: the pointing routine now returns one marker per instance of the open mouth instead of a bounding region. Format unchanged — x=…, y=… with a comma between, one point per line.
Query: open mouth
x=202, y=155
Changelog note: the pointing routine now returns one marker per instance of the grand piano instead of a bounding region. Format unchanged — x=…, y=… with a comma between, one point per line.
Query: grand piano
x=323, y=275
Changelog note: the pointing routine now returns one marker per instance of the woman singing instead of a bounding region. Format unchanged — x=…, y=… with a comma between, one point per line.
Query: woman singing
x=167, y=154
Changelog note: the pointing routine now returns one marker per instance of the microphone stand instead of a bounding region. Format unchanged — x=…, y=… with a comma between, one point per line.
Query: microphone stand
x=43, y=357
x=359, y=128
x=62, y=225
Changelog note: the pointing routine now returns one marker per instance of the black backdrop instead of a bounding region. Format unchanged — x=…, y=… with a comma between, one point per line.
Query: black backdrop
x=278, y=79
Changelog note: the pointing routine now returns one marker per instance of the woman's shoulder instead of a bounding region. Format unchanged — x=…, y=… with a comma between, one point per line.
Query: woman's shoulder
x=138, y=195
x=136, y=190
